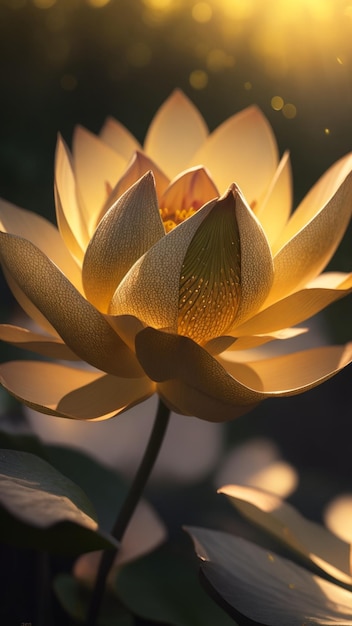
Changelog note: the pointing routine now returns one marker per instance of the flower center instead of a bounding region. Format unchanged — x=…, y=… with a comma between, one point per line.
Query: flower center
x=171, y=219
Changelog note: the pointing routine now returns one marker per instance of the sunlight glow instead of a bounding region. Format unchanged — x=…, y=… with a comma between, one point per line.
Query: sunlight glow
x=338, y=516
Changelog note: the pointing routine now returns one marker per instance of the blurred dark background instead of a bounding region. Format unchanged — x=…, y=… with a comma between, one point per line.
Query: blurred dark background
x=64, y=62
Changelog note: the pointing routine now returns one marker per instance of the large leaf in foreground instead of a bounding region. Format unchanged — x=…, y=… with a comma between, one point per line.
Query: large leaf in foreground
x=164, y=587
x=313, y=542
x=42, y=508
x=254, y=584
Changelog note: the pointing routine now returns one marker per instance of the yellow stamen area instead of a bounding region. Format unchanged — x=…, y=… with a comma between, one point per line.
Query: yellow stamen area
x=210, y=281
x=171, y=219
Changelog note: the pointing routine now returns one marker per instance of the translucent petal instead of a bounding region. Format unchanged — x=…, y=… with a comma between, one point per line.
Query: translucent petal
x=191, y=189
x=275, y=209
x=128, y=229
x=299, y=306
x=150, y=290
x=190, y=380
x=68, y=212
x=309, y=251
x=317, y=197
x=138, y=166
x=78, y=323
x=242, y=145
x=42, y=234
x=175, y=133
x=46, y=345
x=119, y=138
x=256, y=261
x=73, y=393
x=95, y=166
x=290, y=374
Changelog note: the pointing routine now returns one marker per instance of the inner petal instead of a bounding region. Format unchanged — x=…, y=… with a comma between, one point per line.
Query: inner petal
x=210, y=281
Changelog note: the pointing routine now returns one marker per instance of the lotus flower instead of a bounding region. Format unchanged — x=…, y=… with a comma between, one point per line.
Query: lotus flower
x=170, y=264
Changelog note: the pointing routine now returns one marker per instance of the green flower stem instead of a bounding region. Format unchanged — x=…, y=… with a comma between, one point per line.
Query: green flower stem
x=129, y=506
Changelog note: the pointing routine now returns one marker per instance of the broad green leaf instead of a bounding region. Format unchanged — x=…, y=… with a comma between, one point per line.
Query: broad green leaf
x=104, y=487
x=41, y=508
x=164, y=587
x=75, y=599
x=252, y=583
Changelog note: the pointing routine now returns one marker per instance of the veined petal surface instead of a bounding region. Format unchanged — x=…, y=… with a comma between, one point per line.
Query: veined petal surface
x=175, y=134
x=78, y=323
x=126, y=232
x=72, y=392
x=242, y=145
x=150, y=290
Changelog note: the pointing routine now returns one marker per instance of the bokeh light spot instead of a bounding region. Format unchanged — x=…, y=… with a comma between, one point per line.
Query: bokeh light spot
x=337, y=516
x=327, y=131
x=202, y=12
x=277, y=103
x=198, y=79
x=289, y=111
x=248, y=85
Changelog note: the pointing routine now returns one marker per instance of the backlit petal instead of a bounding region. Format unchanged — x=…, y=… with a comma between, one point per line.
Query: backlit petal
x=68, y=212
x=241, y=150
x=42, y=234
x=191, y=189
x=138, y=166
x=119, y=138
x=309, y=251
x=299, y=306
x=256, y=261
x=175, y=133
x=96, y=165
x=290, y=374
x=150, y=290
x=70, y=392
x=275, y=209
x=46, y=345
x=79, y=324
x=128, y=229
x=323, y=190
x=192, y=381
